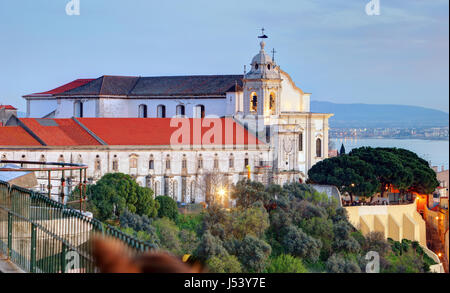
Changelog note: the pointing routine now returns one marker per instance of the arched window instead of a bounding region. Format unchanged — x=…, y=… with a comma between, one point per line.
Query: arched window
x=175, y=190
x=253, y=102
x=78, y=109
x=300, y=142
x=133, y=162
x=151, y=163
x=272, y=103
x=115, y=164
x=231, y=161
x=42, y=160
x=143, y=111
x=161, y=111
x=199, y=111
x=168, y=162
x=200, y=162
x=216, y=161
x=97, y=164
x=156, y=188
x=181, y=110
x=318, y=148
x=192, y=192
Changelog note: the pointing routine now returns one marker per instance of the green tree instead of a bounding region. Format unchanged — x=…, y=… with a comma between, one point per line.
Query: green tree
x=253, y=254
x=298, y=243
x=247, y=192
x=115, y=192
x=342, y=151
x=209, y=247
x=167, y=207
x=424, y=178
x=387, y=167
x=189, y=241
x=168, y=234
x=250, y=221
x=348, y=173
x=339, y=264
x=224, y=264
x=285, y=263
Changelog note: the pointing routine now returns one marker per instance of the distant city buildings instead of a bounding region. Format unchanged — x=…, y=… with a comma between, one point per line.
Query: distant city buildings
x=419, y=133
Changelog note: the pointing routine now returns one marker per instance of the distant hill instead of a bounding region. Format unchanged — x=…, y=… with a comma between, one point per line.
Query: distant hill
x=368, y=115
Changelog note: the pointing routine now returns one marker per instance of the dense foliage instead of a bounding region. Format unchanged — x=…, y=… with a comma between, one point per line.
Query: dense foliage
x=285, y=229
x=365, y=171
x=115, y=192
x=167, y=207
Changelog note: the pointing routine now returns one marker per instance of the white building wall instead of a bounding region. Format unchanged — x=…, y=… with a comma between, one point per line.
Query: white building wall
x=106, y=157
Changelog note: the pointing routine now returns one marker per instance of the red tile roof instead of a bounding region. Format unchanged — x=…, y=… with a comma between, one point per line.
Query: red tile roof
x=67, y=87
x=16, y=136
x=7, y=107
x=59, y=132
x=158, y=131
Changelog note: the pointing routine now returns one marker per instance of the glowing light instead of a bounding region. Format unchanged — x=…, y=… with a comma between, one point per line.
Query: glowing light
x=221, y=192
x=439, y=254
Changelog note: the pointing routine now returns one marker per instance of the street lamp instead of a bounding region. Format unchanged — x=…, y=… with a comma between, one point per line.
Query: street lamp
x=221, y=192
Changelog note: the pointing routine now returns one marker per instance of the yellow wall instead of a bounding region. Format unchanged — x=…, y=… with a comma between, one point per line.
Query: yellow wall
x=394, y=221
x=397, y=222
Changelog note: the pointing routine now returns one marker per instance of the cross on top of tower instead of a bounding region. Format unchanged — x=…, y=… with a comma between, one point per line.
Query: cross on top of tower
x=273, y=54
x=263, y=36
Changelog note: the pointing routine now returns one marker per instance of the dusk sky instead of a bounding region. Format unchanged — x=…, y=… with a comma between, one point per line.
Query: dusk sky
x=331, y=49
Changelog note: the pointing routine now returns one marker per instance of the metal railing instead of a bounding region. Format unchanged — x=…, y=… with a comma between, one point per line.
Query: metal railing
x=41, y=235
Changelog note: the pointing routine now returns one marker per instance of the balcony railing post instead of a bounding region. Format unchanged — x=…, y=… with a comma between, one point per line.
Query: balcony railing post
x=10, y=227
x=33, y=249
x=63, y=258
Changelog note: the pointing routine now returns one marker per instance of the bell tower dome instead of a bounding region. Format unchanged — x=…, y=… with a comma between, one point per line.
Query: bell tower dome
x=262, y=85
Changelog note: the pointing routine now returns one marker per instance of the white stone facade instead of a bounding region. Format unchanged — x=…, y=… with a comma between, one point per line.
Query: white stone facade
x=268, y=98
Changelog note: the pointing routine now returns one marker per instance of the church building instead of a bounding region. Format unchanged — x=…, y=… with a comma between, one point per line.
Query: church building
x=123, y=124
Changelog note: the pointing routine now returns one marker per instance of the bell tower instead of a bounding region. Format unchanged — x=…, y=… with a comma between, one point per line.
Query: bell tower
x=262, y=85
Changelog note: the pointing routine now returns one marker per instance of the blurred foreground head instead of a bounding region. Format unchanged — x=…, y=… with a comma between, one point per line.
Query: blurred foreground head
x=112, y=256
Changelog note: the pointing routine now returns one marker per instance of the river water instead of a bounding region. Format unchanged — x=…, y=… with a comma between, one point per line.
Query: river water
x=434, y=151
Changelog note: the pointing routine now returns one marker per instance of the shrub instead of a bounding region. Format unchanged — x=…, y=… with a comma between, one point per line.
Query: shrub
x=253, y=254
x=209, y=247
x=189, y=241
x=115, y=192
x=285, y=263
x=224, y=264
x=168, y=234
x=339, y=264
x=167, y=207
x=298, y=243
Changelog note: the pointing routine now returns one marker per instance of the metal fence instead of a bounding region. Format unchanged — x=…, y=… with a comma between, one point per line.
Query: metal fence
x=41, y=235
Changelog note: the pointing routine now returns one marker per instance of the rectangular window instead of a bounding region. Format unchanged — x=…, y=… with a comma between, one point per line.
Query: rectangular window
x=231, y=163
x=151, y=164
x=216, y=164
x=115, y=166
x=200, y=164
x=184, y=164
x=168, y=164
x=245, y=162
